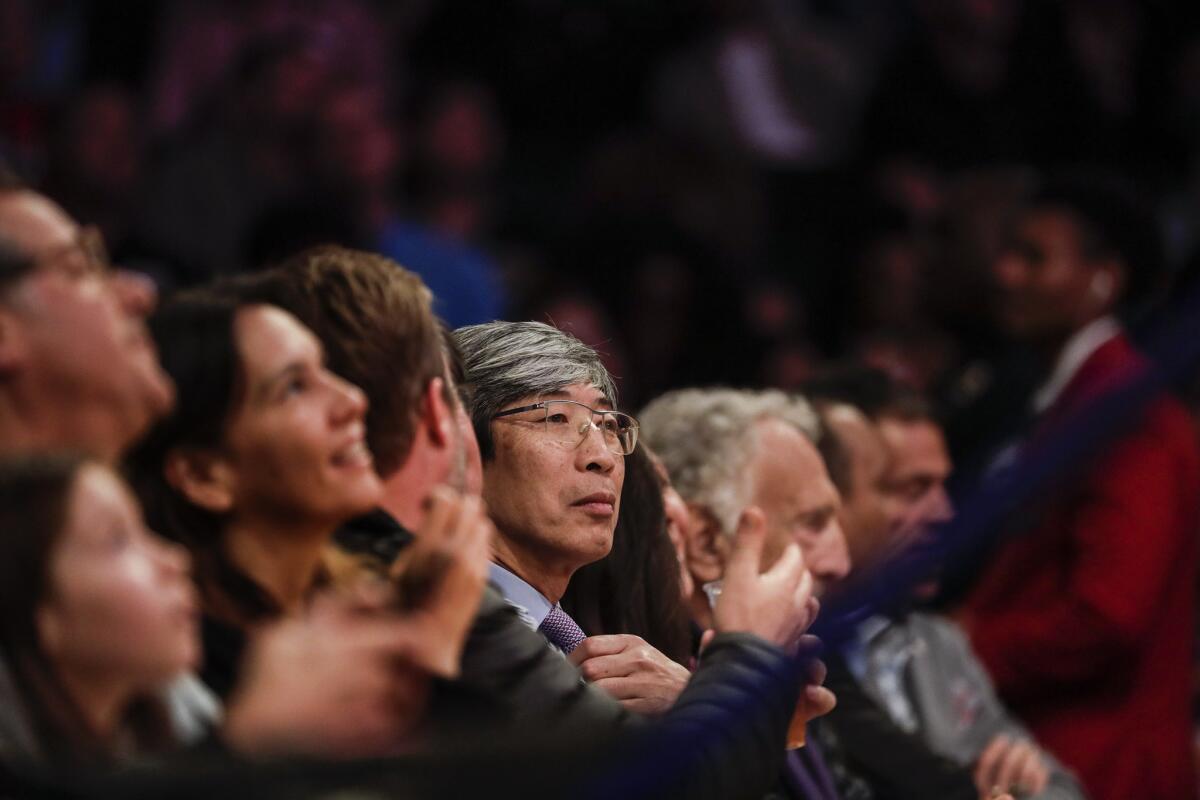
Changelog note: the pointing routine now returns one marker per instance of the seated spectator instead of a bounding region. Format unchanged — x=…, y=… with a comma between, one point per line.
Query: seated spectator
x=741, y=459
x=80, y=373
x=99, y=619
x=263, y=458
x=922, y=744
x=77, y=368
x=375, y=321
x=728, y=450
x=1084, y=619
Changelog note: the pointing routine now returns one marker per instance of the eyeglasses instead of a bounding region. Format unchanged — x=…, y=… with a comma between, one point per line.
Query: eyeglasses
x=568, y=423
x=85, y=257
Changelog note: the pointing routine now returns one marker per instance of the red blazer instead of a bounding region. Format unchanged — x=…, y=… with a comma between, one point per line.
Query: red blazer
x=1086, y=621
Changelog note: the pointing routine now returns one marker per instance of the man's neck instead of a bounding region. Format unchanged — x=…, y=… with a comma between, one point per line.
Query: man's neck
x=406, y=489
x=549, y=576
x=282, y=558
x=31, y=426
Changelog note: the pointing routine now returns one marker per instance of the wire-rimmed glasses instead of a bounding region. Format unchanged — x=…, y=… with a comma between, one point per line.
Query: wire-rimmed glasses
x=567, y=423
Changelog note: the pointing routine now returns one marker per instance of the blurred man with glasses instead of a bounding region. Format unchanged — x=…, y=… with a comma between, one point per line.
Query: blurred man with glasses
x=77, y=368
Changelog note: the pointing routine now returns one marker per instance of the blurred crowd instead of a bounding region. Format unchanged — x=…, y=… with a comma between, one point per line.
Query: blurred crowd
x=817, y=180
x=407, y=327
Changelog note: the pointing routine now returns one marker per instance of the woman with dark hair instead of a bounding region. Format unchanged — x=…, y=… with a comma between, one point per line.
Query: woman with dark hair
x=635, y=588
x=97, y=617
x=262, y=459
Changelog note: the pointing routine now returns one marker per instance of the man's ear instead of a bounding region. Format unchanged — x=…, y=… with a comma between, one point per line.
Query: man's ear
x=14, y=347
x=437, y=417
x=1107, y=285
x=706, y=545
x=203, y=477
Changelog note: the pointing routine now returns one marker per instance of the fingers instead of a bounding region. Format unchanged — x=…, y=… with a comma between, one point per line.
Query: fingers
x=816, y=672
x=441, y=505
x=619, y=665
x=747, y=547
x=1020, y=759
x=989, y=759
x=819, y=701
x=594, y=646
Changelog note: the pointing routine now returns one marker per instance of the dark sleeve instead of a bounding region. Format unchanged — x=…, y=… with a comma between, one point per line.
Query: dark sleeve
x=726, y=734
x=724, y=737
x=896, y=764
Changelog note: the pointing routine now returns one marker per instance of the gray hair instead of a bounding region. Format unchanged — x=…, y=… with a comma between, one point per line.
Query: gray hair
x=707, y=437
x=505, y=361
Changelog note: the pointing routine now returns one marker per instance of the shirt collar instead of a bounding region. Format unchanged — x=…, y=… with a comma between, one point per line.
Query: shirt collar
x=1079, y=348
x=531, y=605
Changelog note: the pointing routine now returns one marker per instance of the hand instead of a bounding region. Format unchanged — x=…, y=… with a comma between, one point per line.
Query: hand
x=633, y=672
x=1010, y=764
x=815, y=701
x=440, y=578
x=337, y=683
x=777, y=605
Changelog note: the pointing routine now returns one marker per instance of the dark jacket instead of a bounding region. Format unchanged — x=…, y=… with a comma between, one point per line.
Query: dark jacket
x=723, y=738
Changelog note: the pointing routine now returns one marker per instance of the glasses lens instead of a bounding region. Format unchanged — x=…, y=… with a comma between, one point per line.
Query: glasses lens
x=568, y=422
x=91, y=241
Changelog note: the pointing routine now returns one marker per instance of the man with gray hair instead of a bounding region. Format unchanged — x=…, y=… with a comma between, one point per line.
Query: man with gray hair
x=553, y=443
x=730, y=450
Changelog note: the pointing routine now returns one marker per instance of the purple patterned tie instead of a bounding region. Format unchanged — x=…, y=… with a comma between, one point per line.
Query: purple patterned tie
x=561, y=630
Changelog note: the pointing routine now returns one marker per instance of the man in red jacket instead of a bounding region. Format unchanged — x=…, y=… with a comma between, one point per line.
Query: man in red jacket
x=1084, y=618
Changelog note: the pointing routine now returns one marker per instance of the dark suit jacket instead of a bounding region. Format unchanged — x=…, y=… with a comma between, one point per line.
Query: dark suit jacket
x=723, y=737
x=1085, y=620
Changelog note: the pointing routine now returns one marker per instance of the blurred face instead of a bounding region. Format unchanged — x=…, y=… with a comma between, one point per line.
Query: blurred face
x=78, y=339
x=870, y=514
x=557, y=501
x=295, y=448
x=920, y=465
x=676, y=512
x=120, y=603
x=1045, y=281
x=799, y=501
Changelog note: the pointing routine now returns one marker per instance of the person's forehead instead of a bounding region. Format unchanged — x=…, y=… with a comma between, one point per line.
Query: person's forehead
x=581, y=392
x=916, y=445
x=33, y=223
x=786, y=463
x=859, y=436
x=268, y=337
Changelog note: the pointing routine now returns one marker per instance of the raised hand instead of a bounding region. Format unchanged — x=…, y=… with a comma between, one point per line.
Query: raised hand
x=1011, y=764
x=336, y=683
x=441, y=577
x=632, y=671
x=778, y=604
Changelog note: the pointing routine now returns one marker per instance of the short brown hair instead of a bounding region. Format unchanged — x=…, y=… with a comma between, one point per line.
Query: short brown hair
x=376, y=322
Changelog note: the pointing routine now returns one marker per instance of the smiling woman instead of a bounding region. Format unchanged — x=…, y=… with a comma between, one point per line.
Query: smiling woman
x=262, y=459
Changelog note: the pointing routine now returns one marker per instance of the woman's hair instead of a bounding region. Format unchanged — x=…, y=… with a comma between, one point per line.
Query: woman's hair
x=635, y=588
x=197, y=345
x=35, y=499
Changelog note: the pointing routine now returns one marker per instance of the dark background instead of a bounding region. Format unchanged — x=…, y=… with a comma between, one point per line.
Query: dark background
x=709, y=192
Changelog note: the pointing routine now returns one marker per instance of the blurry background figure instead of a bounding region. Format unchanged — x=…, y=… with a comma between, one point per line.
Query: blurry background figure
x=635, y=588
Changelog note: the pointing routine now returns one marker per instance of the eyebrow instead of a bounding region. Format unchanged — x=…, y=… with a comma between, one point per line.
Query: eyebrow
x=600, y=403
x=267, y=386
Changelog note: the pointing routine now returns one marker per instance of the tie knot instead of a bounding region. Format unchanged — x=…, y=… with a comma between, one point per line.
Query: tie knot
x=560, y=630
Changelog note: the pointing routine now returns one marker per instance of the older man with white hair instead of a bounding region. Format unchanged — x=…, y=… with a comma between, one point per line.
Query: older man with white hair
x=729, y=450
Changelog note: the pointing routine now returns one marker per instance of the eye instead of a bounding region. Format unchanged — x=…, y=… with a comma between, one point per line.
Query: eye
x=557, y=418
x=295, y=385
x=117, y=539
x=612, y=426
